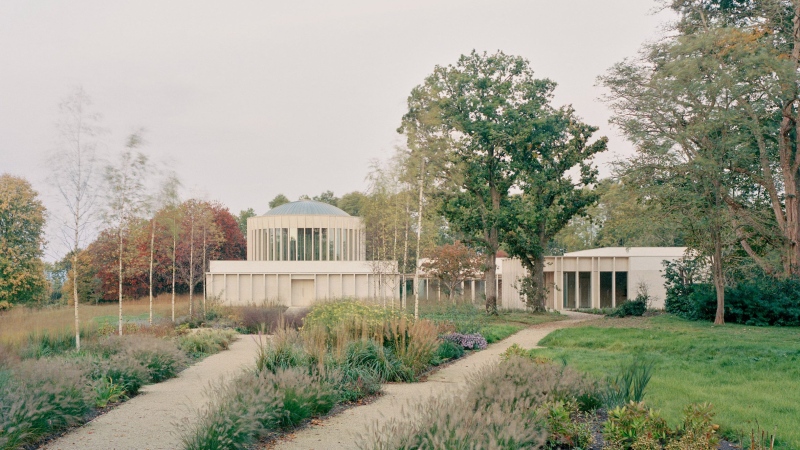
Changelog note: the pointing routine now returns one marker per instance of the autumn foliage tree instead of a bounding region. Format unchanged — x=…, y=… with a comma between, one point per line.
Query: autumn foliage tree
x=451, y=264
x=21, y=241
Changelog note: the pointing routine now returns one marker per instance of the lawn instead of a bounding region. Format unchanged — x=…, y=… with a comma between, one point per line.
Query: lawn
x=750, y=374
x=469, y=318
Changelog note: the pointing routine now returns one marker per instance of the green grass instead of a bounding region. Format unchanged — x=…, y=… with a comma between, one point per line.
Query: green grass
x=748, y=373
x=468, y=318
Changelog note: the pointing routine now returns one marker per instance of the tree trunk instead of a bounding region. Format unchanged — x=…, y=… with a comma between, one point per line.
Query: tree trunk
x=405, y=257
x=191, y=268
x=719, y=278
x=152, y=249
x=490, y=275
x=119, y=276
x=203, y=273
x=540, y=291
x=174, y=249
x=75, y=294
x=419, y=238
x=492, y=244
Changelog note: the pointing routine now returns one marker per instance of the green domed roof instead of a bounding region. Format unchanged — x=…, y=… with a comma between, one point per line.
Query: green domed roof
x=306, y=208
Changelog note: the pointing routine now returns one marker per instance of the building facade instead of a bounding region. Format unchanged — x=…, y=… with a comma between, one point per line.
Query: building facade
x=299, y=253
x=597, y=278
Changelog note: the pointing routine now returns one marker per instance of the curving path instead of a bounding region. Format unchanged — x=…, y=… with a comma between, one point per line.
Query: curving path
x=149, y=420
x=340, y=431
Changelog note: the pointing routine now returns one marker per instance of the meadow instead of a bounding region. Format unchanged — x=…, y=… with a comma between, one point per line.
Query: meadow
x=750, y=374
x=21, y=324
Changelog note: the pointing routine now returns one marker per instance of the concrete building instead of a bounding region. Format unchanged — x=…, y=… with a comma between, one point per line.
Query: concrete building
x=597, y=278
x=299, y=253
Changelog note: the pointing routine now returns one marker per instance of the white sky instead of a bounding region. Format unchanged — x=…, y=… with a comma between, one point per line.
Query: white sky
x=247, y=99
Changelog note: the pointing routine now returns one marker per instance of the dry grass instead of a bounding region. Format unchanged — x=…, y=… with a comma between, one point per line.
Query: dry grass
x=18, y=324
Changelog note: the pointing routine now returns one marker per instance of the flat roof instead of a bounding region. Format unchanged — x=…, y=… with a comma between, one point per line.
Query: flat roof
x=675, y=252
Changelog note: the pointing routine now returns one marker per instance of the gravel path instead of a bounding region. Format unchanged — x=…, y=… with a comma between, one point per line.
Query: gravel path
x=149, y=420
x=341, y=430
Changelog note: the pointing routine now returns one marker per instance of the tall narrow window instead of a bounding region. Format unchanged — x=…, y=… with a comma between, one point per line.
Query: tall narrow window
x=331, y=244
x=606, y=286
x=309, y=245
x=338, y=244
x=317, y=245
x=292, y=244
x=622, y=287
x=569, y=290
x=285, y=244
x=345, y=244
x=324, y=243
x=585, y=289
x=271, y=249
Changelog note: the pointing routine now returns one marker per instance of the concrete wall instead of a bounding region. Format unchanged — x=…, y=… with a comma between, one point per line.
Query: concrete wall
x=640, y=268
x=299, y=283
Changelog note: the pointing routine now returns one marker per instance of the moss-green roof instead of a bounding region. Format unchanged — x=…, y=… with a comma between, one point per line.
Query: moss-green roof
x=306, y=208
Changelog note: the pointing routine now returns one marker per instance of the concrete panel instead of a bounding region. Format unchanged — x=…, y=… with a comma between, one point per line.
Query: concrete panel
x=303, y=292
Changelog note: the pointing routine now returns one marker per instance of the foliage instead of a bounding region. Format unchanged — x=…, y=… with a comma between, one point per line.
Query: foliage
x=502, y=408
x=252, y=405
x=490, y=112
x=41, y=397
x=107, y=392
x=349, y=318
x=467, y=341
x=279, y=200
x=448, y=350
x=21, y=241
x=566, y=426
x=351, y=203
x=451, y=264
x=629, y=384
x=241, y=219
x=697, y=362
x=266, y=318
x=761, y=300
x=635, y=426
x=464, y=317
x=205, y=342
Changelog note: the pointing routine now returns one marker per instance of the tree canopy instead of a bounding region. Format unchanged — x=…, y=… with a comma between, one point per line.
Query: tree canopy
x=22, y=219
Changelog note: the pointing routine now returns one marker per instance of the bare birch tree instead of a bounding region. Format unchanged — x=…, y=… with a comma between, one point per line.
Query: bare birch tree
x=126, y=199
x=73, y=174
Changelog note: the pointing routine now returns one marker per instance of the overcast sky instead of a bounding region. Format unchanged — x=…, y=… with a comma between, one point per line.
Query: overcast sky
x=248, y=99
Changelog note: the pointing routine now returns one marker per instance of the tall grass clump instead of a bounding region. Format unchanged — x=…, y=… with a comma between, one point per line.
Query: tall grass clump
x=629, y=384
x=39, y=397
x=504, y=408
x=204, y=342
x=253, y=405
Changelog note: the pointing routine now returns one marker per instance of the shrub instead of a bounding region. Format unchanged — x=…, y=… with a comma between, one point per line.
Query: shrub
x=254, y=319
x=201, y=343
x=635, y=426
x=354, y=382
x=448, y=350
x=566, y=427
x=284, y=351
x=698, y=430
x=381, y=361
x=303, y=396
x=123, y=370
x=106, y=391
x=464, y=317
x=412, y=341
x=635, y=307
x=467, y=341
x=161, y=358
